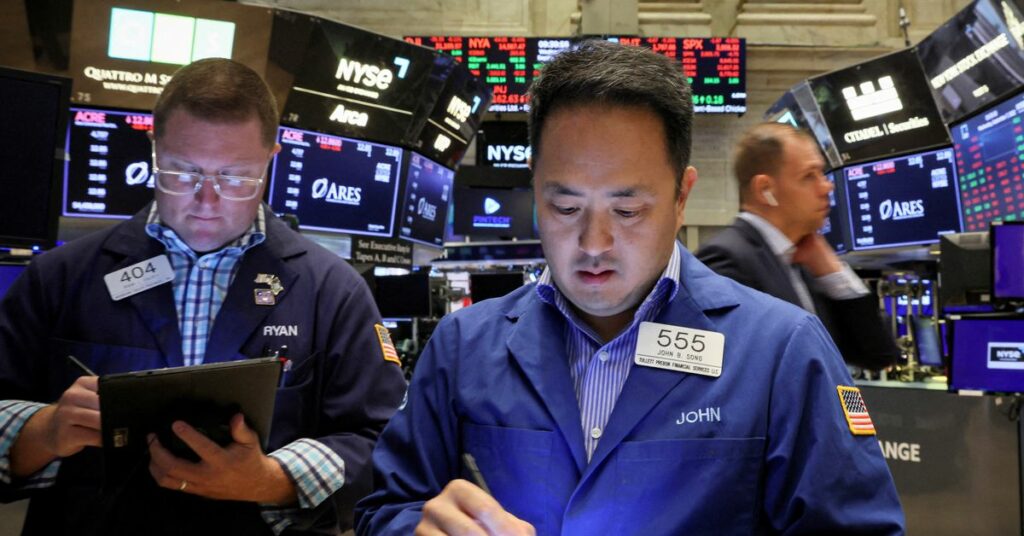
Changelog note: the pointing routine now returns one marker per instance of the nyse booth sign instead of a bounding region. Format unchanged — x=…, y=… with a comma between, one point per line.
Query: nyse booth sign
x=950, y=454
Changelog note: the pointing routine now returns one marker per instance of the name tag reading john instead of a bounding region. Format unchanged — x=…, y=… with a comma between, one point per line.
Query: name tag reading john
x=138, y=277
x=689, y=350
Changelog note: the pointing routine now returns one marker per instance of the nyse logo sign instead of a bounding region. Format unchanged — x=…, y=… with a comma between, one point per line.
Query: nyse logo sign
x=872, y=101
x=901, y=210
x=368, y=75
x=334, y=193
x=1006, y=355
x=508, y=153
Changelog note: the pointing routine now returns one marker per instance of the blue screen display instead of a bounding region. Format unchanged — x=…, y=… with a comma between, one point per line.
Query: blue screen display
x=988, y=354
x=903, y=201
x=1008, y=261
x=335, y=184
x=493, y=212
x=428, y=190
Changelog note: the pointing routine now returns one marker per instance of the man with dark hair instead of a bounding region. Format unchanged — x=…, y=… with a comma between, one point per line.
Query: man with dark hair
x=631, y=390
x=241, y=283
x=774, y=245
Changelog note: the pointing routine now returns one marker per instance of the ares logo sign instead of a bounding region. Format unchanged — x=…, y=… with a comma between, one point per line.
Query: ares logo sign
x=901, y=210
x=872, y=101
x=426, y=210
x=1006, y=355
x=334, y=193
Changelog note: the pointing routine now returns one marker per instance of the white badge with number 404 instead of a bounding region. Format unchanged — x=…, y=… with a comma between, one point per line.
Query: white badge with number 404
x=694, y=351
x=139, y=277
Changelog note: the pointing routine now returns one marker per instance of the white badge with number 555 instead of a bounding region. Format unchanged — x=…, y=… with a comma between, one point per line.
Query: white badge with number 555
x=138, y=277
x=694, y=351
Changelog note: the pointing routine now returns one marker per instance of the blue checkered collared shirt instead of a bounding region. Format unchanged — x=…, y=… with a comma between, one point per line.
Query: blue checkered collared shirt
x=599, y=381
x=200, y=286
x=201, y=283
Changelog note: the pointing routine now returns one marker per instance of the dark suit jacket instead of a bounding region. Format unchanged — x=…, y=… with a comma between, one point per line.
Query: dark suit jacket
x=741, y=253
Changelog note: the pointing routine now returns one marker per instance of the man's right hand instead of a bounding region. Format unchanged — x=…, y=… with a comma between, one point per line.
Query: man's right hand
x=465, y=509
x=60, y=429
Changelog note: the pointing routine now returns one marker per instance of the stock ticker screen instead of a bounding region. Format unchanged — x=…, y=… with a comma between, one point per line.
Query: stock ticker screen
x=335, y=184
x=988, y=151
x=715, y=66
x=107, y=172
x=903, y=201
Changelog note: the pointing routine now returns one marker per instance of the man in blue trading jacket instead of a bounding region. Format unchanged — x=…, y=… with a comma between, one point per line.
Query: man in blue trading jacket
x=632, y=390
x=241, y=282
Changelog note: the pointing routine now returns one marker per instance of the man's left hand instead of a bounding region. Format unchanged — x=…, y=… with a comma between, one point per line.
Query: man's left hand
x=816, y=254
x=239, y=471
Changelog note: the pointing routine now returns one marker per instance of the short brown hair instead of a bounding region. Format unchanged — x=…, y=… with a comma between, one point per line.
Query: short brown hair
x=219, y=90
x=760, y=151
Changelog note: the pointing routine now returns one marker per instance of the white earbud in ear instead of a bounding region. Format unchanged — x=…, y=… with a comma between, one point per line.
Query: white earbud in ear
x=770, y=198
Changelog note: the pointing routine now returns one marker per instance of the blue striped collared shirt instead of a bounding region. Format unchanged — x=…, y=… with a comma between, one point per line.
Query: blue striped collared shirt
x=599, y=370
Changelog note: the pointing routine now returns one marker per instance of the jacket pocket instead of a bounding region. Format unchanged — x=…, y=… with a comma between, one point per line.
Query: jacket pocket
x=707, y=486
x=515, y=464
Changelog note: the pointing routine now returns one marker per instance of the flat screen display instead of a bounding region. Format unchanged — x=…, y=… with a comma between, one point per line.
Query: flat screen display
x=456, y=115
x=1007, y=260
x=31, y=149
x=335, y=184
x=879, y=108
x=357, y=83
x=975, y=58
x=492, y=212
x=403, y=296
x=798, y=109
x=504, y=144
x=988, y=150
x=837, y=224
x=496, y=285
x=715, y=66
x=903, y=201
x=107, y=173
x=988, y=354
x=428, y=191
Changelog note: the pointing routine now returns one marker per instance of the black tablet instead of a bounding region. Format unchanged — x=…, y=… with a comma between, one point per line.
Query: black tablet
x=135, y=404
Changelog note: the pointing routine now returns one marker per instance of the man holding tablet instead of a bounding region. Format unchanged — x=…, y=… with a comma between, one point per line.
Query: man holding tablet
x=205, y=274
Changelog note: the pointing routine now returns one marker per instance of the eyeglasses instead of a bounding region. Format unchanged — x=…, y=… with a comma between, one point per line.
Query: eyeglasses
x=230, y=187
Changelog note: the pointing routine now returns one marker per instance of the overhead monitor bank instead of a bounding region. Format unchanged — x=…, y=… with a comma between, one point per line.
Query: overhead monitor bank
x=715, y=66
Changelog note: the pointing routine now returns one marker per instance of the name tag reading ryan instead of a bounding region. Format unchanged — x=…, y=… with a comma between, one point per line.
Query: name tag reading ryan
x=138, y=277
x=694, y=351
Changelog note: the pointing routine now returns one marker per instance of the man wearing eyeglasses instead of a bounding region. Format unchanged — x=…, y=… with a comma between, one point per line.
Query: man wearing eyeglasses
x=241, y=285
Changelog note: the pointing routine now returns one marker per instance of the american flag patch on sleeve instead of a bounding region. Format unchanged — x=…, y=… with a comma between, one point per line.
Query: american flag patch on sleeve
x=855, y=411
x=386, y=346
